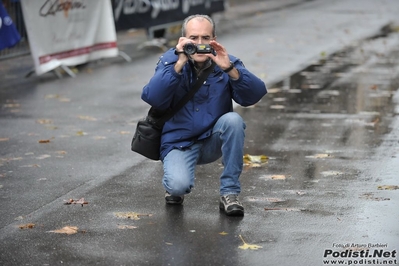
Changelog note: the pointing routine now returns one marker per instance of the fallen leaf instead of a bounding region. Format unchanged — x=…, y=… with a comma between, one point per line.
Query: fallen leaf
x=61, y=152
x=31, y=165
x=388, y=187
x=263, y=199
x=125, y=132
x=99, y=137
x=370, y=196
x=277, y=106
x=44, y=141
x=79, y=201
x=81, y=133
x=254, y=160
x=284, y=209
x=11, y=105
x=319, y=156
x=4, y=139
x=44, y=121
x=274, y=90
x=331, y=173
x=130, y=215
x=89, y=118
x=223, y=233
x=280, y=177
x=44, y=156
x=69, y=230
x=274, y=177
x=248, y=246
x=124, y=226
x=26, y=226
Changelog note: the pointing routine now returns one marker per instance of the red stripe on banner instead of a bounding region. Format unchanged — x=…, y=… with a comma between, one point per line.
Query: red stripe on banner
x=76, y=52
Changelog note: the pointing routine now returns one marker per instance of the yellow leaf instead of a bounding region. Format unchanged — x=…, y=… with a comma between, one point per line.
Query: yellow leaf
x=251, y=159
x=223, y=233
x=278, y=177
x=125, y=132
x=81, y=133
x=385, y=187
x=248, y=246
x=69, y=230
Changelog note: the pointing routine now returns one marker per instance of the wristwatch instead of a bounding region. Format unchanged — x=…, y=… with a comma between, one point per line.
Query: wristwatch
x=227, y=70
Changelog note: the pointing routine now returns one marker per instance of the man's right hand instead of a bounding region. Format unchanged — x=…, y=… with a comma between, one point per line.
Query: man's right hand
x=183, y=58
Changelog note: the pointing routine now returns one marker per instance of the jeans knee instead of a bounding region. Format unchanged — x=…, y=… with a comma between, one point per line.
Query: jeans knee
x=233, y=120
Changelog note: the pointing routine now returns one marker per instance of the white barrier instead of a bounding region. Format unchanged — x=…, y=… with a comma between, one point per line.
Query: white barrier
x=66, y=33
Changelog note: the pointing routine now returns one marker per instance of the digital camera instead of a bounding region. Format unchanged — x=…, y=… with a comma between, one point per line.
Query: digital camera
x=191, y=48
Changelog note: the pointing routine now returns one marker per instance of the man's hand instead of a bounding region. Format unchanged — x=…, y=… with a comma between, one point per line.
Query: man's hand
x=183, y=58
x=222, y=59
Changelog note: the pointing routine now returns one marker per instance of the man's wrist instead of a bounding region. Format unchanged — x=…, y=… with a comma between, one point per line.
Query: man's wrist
x=227, y=70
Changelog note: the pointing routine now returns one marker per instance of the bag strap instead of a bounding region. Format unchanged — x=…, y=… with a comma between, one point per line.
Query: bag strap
x=189, y=95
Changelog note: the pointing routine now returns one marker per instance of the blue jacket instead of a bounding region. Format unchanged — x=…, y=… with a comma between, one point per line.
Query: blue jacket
x=197, y=118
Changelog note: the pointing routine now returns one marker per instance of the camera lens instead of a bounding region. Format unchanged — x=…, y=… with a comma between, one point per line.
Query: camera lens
x=190, y=48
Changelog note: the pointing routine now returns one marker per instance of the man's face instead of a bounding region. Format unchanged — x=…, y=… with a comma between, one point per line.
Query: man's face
x=199, y=31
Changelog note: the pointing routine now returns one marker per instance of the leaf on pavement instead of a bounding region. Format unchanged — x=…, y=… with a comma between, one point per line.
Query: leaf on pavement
x=26, y=226
x=69, y=230
x=44, y=156
x=320, y=156
x=277, y=106
x=4, y=139
x=81, y=133
x=223, y=233
x=274, y=177
x=125, y=132
x=131, y=215
x=388, y=187
x=44, y=141
x=255, y=160
x=125, y=226
x=248, y=246
x=284, y=209
x=80, y=201
x=89, y=118
x=279, y=177
x=44, y=121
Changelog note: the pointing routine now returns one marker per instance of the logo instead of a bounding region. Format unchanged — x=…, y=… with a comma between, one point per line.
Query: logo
x=52, y=7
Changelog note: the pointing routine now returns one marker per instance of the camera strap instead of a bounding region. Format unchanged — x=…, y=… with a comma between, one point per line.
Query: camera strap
x=189, y=95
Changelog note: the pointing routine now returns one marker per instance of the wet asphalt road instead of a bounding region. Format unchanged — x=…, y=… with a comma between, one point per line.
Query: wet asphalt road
x=329, y=128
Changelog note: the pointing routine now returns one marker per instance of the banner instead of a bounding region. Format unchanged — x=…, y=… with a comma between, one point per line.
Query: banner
x=147, y=13
x=69, y=32
x=9, y=35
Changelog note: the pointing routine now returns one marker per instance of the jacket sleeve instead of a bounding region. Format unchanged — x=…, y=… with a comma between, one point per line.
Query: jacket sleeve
x=160, y=89
x=248, y=89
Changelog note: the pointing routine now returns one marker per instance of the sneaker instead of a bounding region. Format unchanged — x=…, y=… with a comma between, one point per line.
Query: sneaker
x=231, y=205
x=174, y=200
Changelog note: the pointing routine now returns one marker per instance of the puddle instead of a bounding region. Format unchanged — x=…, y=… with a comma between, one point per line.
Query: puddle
x=341, y=103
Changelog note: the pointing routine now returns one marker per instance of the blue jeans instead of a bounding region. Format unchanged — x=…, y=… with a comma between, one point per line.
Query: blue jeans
x=227, y=141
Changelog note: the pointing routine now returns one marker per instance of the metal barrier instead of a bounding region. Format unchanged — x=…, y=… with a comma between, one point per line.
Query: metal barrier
x=14, y=10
